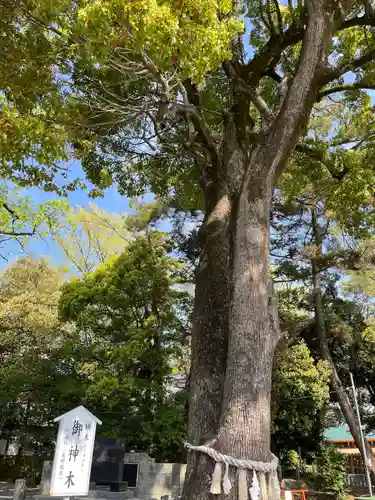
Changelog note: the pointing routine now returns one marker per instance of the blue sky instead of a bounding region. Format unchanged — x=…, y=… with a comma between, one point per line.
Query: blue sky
x=111, y=202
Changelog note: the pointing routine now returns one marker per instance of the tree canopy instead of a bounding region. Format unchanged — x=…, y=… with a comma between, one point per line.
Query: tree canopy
x=118, y=75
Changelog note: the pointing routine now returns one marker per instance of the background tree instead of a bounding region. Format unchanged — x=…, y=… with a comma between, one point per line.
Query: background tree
x=134, y=321
x=35, y=383
x=125, y=337
x=89, y=237
x=314, y=250
x=300, y=393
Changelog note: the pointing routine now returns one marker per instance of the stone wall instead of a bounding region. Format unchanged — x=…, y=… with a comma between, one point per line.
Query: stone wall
x=156, y=480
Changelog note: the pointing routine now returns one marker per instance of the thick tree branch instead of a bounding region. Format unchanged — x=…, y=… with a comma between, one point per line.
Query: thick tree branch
x=334, y=73
x=365, y=20
x=269, y=55
x=279, y=16
x=302, y=92
x=344, y=88
x=265, y=61
x=259, y=103
x=257, y=100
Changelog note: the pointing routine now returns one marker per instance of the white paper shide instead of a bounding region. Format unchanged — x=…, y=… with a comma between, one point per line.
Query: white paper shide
x=73, y=455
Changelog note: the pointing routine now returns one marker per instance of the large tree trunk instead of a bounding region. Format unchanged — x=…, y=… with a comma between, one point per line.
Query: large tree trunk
x=235, y=334
x=338, y=389
x=245, y=413
x=209, y=337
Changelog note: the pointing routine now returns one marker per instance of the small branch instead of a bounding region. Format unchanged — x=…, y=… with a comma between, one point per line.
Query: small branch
x=17, y=234
x=35, y=20
x=38, y=21
x=155, y=72
x=10, y=210
x=317, y=155
x=363, y=141
x=269, y=18
x=189, y=120
x=15, y=217
x=344, y=141
x=199, y=123
x=314, y=154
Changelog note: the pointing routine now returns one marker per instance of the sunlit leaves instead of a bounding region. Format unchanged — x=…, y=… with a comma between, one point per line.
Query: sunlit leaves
x=30, y=335
x=90, y=236
x=301, y=388
x=194, y=35
x=21, y=219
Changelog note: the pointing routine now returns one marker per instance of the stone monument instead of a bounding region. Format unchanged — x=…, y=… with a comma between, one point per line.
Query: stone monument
x=108, y=463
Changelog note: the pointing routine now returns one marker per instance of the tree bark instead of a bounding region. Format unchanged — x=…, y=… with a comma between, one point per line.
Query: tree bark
x=337, y=386
x=235, y=331
x=209, y=338
x=245, y=414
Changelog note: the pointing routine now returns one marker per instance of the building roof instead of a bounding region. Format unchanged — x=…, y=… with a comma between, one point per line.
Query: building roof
x=342, y=433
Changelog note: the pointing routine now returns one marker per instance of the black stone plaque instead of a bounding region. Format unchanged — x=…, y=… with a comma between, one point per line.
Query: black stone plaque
x=107, y=461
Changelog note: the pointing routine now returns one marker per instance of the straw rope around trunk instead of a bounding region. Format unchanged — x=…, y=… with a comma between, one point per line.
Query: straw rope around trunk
x=258, y=490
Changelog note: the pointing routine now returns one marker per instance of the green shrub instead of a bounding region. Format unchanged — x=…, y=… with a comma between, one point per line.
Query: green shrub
x=331, y=471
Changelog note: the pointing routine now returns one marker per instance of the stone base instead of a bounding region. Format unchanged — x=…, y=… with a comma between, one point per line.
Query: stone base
x=111, y=495
x=123, y=495
x=114, y=486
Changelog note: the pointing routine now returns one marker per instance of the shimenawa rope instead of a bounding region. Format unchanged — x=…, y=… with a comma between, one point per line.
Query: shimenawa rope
x=259, y=487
